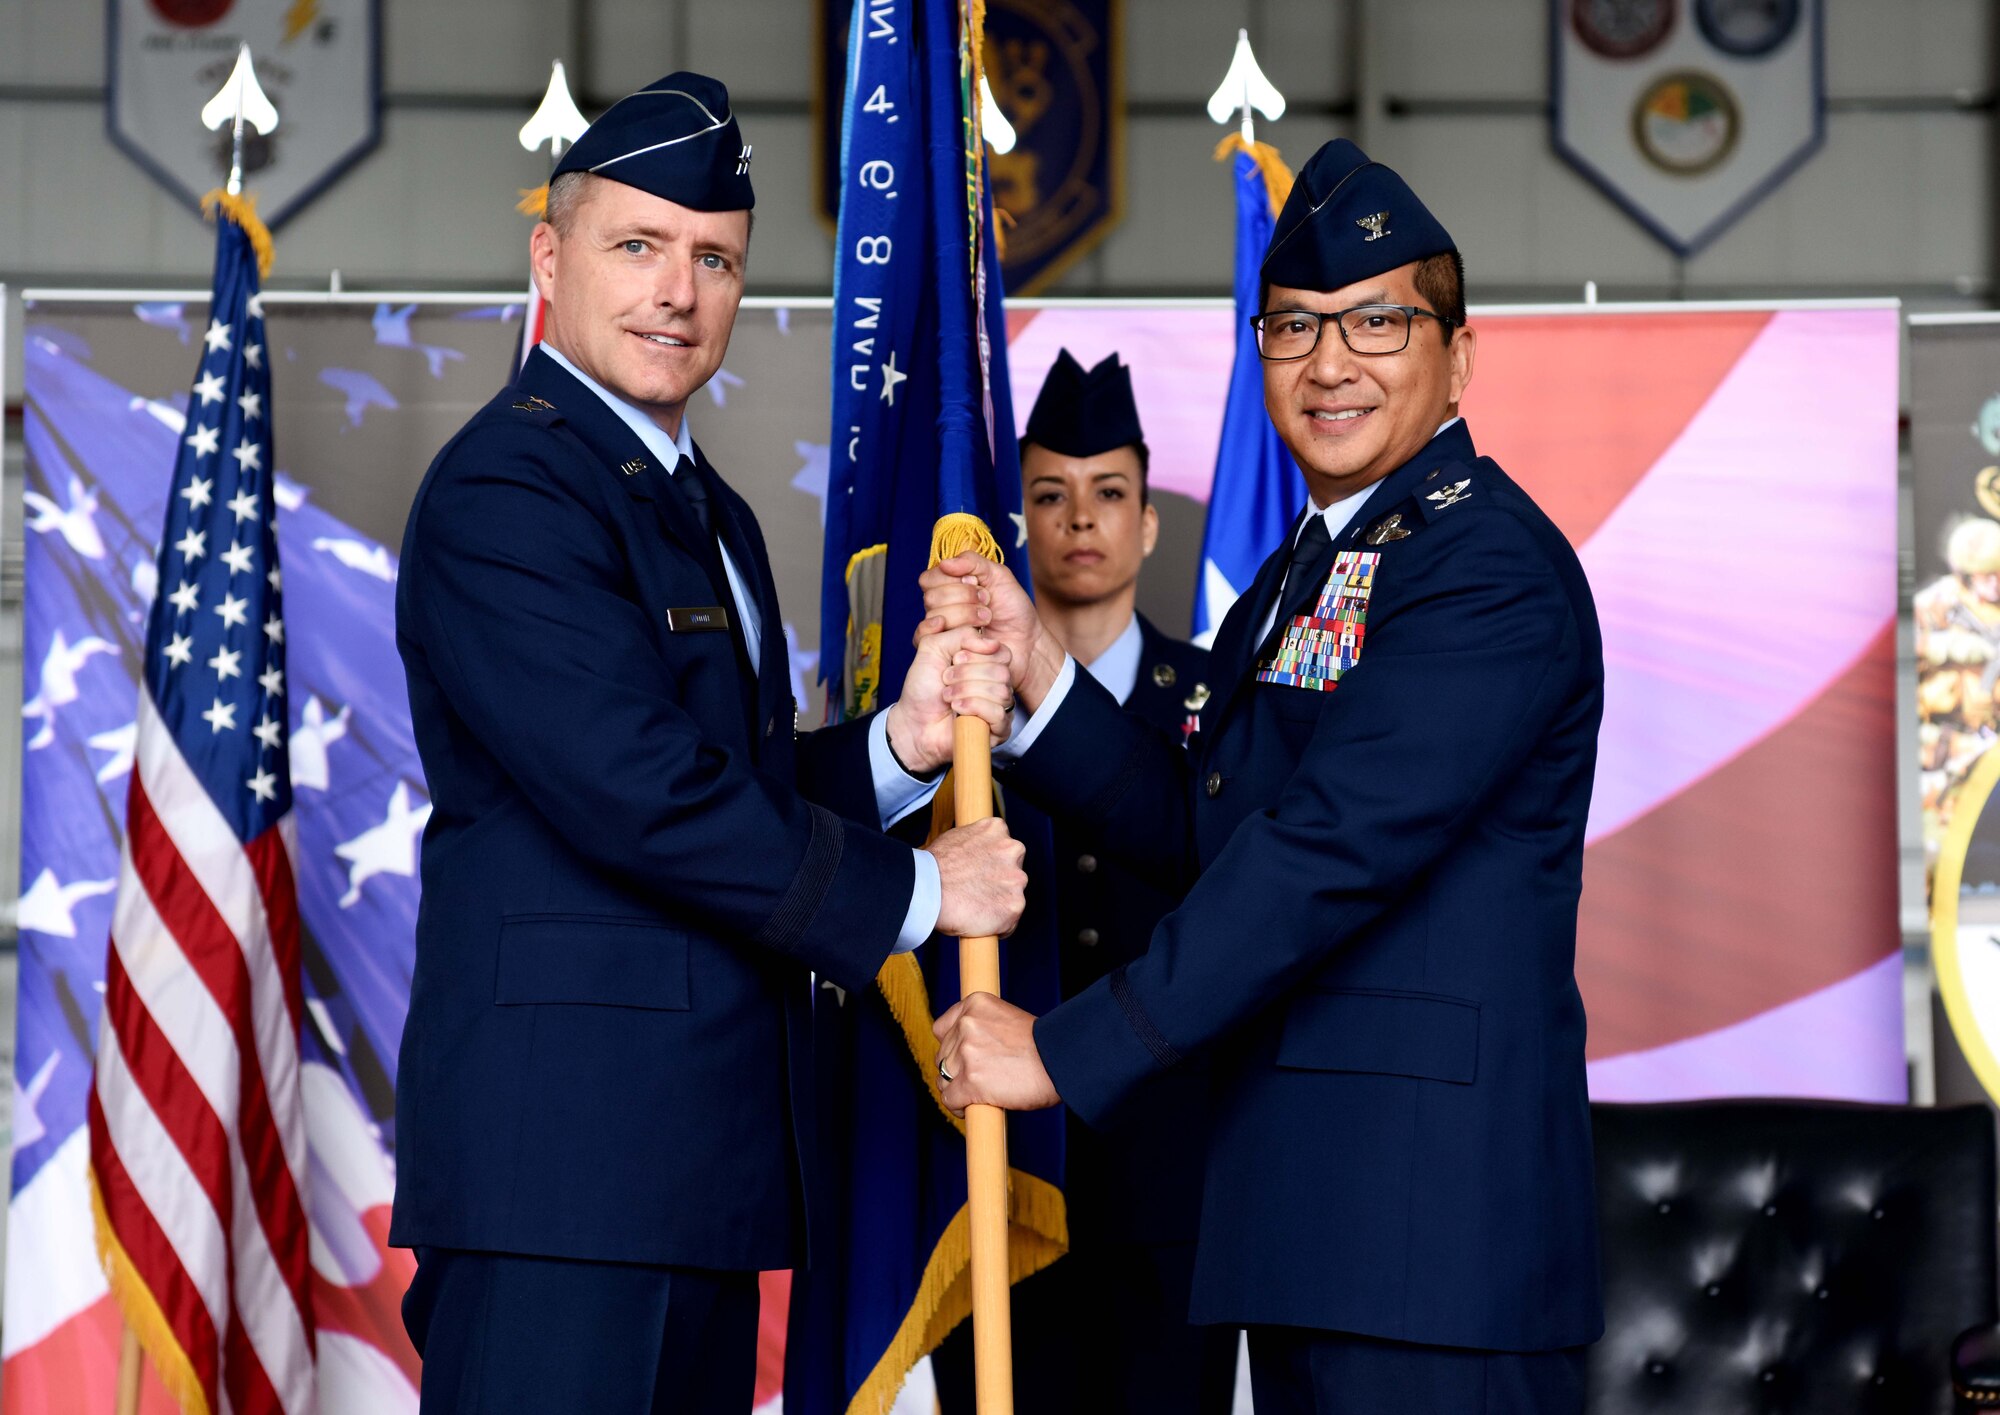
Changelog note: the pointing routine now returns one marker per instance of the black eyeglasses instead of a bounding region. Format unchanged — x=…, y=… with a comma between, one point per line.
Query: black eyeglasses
x=1366, y=329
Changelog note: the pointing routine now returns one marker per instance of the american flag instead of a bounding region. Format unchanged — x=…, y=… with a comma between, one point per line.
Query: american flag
x=197, y=1139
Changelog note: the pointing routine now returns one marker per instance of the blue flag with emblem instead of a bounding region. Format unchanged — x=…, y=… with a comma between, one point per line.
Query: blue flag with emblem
x=924, y=465
x=1256, y=490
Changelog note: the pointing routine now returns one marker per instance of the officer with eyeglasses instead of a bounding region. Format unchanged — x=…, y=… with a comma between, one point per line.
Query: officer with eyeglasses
x=1377, y=835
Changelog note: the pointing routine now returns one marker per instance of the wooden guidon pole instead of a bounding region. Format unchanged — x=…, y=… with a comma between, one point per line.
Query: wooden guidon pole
x=985, y=1125
x=130, y=1364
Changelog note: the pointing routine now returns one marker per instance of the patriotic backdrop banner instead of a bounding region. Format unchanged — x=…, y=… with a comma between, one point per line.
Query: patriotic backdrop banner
x=1955, y=454
x=1729, y=476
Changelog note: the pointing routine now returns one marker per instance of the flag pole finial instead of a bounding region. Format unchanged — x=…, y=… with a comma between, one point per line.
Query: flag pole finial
x=241, y=101
x=557, y=122
x=1245, y=91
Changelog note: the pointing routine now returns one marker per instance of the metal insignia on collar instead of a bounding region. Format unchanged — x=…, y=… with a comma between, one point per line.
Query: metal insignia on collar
x=1196, y=699
x=1391, y=529
x=1450, y=495
x=633, y=467
x=1377, y=226
x=1164, y=675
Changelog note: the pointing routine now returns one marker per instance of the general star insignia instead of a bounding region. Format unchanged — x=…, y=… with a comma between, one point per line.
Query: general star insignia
x=1451, y=495
x=1386, y=531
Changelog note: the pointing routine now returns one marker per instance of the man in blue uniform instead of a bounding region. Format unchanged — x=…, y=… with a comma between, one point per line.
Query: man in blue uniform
x=1105, y=1329
x=603, y=1123
x=1379, y=826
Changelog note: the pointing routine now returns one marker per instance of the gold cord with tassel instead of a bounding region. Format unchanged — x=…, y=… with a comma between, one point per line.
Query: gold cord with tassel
x=1277, y=176
x=243, y=211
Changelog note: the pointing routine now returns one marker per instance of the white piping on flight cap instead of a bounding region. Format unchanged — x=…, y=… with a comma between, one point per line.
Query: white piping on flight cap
x=1312, y=211
x=713, y=123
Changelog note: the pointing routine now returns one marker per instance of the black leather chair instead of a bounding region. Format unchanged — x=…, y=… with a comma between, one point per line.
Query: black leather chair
x=1789, y=1256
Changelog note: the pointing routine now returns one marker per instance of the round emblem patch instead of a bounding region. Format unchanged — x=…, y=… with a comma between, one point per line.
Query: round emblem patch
x=1622, y=29
x=1686, y=123
x=1748, y=29
x=192, y=14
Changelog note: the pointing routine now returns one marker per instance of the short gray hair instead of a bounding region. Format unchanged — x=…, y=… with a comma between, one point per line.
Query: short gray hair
x=565, y=195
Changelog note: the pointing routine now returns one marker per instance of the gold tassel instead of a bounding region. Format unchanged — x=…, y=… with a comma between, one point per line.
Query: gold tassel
x=141, y=1311
x=962, y=532
x=1277, y=176
x=534, y=202
x=243, y=211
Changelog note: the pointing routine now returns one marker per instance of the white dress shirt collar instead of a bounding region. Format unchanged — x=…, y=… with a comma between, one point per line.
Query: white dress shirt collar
x=1342, y=511
x=1117, y=668
x=669, y=450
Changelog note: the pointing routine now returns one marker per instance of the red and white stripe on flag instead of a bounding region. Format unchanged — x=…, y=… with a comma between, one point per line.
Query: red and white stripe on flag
x=197, y=1136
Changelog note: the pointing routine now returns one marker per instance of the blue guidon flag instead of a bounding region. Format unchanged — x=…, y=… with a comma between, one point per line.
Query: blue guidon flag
x=197, y=1136
x=1257, y=490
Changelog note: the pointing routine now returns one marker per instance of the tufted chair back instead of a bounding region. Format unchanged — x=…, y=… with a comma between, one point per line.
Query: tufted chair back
x=1787, y=1256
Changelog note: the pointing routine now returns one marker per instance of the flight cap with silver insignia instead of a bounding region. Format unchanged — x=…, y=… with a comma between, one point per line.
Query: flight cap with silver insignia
x=676, y=139
x=1348, y=218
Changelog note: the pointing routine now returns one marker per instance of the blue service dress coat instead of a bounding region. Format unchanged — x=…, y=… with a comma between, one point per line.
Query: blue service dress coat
x=1376, y=945
x=624, y=888
x=1140, y=1181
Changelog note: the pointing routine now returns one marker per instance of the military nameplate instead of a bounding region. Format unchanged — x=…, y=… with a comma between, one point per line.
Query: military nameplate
x=701, y=619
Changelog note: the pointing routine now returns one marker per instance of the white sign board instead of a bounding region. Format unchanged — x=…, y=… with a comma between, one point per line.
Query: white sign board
x=318, y=60
x=1687, y=112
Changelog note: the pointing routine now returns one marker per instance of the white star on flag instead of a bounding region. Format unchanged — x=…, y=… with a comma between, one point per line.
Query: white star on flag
x=193, y=545
x=217, y=337
x=254, y=306
x=238, y=558
x=277, y=580
x=890, y=378
x=387, y=849
x=180, y=650
x=252, y=405
x=198, y=492
x=250, y=457
x=244, y=505
x=206, y=442
x=272, y=681
x=186, y=599
x=231, y=609
x=263, y=785
x=253, y=355
x=1020, y=520
x=274, y=629
x=208, y=388
x=268, y=731
x=219, y=716
x=225, y=661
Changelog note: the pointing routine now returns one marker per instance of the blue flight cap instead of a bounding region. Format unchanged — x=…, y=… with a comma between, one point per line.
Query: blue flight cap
x=1347, y=219
x=1080, y=414
x=676, y=139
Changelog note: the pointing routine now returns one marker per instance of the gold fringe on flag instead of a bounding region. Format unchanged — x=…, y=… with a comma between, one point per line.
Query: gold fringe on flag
x=243, y=211
x=142, y=1313
x=1277, y=176
x=1037, y=1234
x=534, y=202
